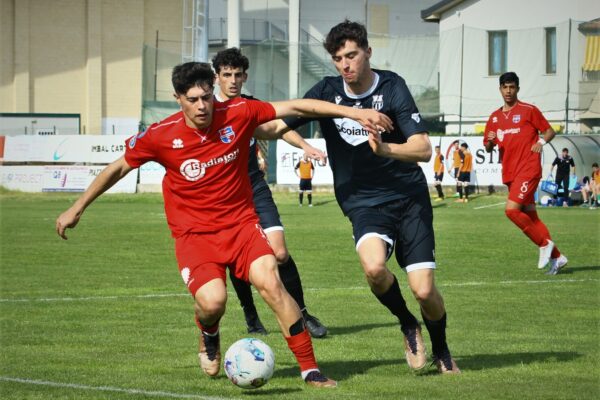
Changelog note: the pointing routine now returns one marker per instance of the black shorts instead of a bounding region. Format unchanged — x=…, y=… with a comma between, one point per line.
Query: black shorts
x=438, y=177
x=306, y=185
x=406, y=224
x=265, y=207
x=464, y=177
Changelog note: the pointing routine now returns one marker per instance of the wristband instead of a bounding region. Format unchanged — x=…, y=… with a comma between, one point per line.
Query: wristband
x=541, y=141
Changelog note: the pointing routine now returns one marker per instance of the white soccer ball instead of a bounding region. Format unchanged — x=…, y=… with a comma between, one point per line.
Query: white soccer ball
x=249, y=363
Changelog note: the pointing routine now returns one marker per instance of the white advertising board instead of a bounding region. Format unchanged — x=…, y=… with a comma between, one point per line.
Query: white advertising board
x=487, y=169
x=63, y=178
x=64, y=149
x=287, y=158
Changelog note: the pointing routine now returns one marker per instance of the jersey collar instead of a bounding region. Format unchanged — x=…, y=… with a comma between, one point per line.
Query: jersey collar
x=365, y=94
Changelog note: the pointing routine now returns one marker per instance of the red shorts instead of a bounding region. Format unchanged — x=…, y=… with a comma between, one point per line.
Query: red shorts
x=203, y=257
x=522, y=190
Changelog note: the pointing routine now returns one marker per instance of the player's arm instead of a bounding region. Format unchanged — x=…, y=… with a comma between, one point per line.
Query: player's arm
x=371, y=120
x=104, y=181
x=416, y=149
x=490, y=143
x=277, y=129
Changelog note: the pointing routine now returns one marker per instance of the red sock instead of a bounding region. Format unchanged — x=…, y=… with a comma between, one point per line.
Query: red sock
x=544, y=229
x=207, y=329
x=524, y=222
x=301, y=346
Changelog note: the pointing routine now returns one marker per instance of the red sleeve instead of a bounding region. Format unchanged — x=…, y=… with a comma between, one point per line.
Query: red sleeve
x=139, y=149
x=538, y=121
x=261, y=111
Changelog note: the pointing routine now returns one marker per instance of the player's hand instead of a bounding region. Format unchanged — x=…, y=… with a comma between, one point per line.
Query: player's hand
x=537, y=147
x=377, y=145
x=315, y=154
x=68, y=219
x=491, y=136
x=373, y=121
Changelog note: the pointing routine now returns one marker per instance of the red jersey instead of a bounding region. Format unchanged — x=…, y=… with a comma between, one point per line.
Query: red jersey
x=206, y=186
x=517, y=130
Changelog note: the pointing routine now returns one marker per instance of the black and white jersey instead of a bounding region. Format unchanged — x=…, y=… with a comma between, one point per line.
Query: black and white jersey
x=361, y=178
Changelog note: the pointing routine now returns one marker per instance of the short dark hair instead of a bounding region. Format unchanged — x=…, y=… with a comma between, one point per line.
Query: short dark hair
x=565, y=149
x=437, y=147
x=595, y=165
x=508, y=77
x=190, y=74
x=231, y=57
x=347, y=30
x=466, y=146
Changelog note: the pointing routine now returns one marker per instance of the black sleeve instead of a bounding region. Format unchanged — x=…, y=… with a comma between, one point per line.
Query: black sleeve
x=314, y=93
x=406, y=113
x=572, y=162
x=555, y=162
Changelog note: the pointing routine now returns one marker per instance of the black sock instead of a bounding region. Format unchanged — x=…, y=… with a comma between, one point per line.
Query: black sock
x=244, y=293
x=291, y=280
x=309, y=198
x=439, y=190
x=437, y=333
x=466, y=192
x=460, y=191
x=300, y=196
x=394, y=301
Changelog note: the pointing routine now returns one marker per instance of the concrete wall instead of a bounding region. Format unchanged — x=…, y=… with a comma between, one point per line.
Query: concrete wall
x=82, y=57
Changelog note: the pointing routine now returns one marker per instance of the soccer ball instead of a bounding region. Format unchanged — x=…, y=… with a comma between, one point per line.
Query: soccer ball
x=249, y=363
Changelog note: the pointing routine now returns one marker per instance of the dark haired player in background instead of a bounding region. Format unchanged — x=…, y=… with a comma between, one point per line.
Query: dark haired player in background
x=515, y=128
x=231, y=67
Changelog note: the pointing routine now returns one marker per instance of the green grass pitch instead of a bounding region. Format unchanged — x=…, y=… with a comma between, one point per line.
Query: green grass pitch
x=105, y=315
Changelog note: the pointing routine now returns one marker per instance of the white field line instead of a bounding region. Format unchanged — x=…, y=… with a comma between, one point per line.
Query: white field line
x=489, y=205
x=143, y=392
x=358, y=288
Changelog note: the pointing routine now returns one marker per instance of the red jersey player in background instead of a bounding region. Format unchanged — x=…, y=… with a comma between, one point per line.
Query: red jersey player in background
x=208, y=203
x=515, y=128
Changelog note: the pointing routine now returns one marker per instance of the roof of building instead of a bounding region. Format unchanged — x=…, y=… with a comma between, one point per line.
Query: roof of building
x=434, y=13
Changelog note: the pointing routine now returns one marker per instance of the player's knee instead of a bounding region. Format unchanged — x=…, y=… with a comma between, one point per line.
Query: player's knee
x=375, y=273
x=211, y=308
x=424, y=293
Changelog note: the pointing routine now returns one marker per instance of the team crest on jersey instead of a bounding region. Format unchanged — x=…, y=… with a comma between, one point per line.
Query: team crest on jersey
x=177, y=143
x=357, y=104
x=338, y=99
x=377, y=102
x=516, y=118
x=134, y=138
x=227, y=134
x=494, y=119
x=416, y=117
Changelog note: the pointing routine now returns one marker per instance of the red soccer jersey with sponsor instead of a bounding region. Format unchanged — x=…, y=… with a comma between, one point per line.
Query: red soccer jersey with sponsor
x=517, y=130
x=206, y=186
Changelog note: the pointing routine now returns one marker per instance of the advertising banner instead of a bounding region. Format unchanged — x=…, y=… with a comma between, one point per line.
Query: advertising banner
x=63, y=178
x=97, y=149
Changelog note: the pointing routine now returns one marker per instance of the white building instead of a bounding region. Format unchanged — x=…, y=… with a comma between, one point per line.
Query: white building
x=552, y=45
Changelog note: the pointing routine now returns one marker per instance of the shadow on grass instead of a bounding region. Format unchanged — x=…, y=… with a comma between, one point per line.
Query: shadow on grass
x=341, y=370
x=573, y=270
x=479, y=362
x=345, y=330
x=272, y=392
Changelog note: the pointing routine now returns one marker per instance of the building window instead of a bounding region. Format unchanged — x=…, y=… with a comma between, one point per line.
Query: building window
x=497, y=52
x=551, y=50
